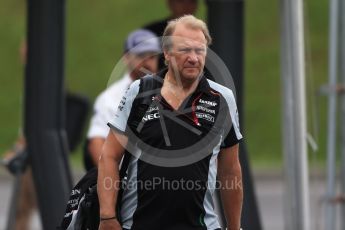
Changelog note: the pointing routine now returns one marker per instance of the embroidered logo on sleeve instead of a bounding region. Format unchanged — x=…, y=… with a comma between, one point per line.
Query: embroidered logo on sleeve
x=122, y=103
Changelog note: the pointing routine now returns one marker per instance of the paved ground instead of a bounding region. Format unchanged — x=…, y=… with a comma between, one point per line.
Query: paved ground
x=269, y=188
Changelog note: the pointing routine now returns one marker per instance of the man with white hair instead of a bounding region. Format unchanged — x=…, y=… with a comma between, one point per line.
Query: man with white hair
x=187, y=137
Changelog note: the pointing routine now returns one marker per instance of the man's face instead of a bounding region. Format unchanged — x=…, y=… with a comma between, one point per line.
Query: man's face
x=187, y=54
x=141, y=64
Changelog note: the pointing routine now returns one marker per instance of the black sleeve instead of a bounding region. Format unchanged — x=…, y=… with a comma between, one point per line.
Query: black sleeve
x=230, y=139
x=232, y=135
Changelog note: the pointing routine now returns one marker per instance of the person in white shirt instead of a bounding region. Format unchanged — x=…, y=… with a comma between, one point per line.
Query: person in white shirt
x=141, y=48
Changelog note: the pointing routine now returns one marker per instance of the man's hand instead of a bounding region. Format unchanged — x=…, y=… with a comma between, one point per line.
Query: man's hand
x=109, y=225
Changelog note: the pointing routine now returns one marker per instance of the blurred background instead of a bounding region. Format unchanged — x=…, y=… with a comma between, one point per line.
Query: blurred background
x=95, y=32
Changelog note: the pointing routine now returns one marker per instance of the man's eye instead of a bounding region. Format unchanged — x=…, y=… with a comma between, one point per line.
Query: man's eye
x=185, y=50
x=200, y=51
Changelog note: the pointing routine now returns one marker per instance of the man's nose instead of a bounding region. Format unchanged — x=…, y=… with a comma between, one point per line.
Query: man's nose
x=193, y=57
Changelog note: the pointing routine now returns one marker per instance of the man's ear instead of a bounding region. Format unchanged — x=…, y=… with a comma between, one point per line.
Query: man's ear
x=166, y=55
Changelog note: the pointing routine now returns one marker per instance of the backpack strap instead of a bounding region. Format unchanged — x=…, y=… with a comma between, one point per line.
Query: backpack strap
x=148, y=88
x=148, y=84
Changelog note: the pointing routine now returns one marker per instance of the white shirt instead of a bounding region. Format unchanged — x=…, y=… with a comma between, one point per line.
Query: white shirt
x=105, y=107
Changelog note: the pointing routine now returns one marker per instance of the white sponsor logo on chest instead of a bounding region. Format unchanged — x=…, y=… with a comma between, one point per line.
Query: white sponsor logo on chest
x=150, y=117
x=204, y=109
x=205, y=117
x=210, y=103
x=150, y=109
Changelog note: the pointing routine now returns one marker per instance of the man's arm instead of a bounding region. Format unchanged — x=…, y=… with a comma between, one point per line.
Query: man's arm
x=95, y=148
x=230, y=177
x=108, y=178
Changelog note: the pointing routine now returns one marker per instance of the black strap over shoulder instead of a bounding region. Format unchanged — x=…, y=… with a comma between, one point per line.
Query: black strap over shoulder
x=149, y=87
x=151, y=81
